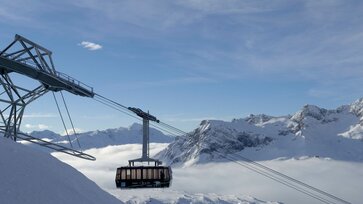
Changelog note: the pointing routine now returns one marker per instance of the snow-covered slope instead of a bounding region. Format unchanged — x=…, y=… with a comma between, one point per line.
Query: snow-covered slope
x=28, y=176
x=104, y=138
x=312, y=131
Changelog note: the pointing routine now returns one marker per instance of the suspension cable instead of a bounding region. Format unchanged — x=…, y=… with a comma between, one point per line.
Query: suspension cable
x=175, y=129
x=61, y=116
x=275, y=178
x=151, y=124
x=116, y=108
x=252, y=165
x=291, y=179
x=114, y=105
x=284, y=176
x=71, y=121
x=112, y=101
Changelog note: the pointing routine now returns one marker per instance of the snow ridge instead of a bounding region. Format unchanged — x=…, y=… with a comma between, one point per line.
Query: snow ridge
x=29, y=176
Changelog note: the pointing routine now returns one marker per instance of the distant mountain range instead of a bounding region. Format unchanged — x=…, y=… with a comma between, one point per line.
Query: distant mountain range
x=103, y=138
x=310, y=132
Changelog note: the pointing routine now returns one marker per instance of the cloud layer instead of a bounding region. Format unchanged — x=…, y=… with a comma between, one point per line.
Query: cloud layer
x=227, y=178
x=37, y=127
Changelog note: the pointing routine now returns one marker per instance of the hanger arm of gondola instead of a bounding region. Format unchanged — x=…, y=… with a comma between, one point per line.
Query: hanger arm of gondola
x=143, y=114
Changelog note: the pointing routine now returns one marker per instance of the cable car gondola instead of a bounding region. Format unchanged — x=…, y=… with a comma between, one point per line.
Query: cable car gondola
x=143, y=177
x=150, y=176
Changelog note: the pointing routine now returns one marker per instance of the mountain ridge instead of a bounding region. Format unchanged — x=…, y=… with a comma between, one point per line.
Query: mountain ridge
x=312, y=131
x=103, y=138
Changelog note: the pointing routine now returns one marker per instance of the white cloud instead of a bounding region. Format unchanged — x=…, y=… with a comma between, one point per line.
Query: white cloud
x=40, y=115
x=97, y=117
x=38, y=126
x=90, y=45
x=192, y=119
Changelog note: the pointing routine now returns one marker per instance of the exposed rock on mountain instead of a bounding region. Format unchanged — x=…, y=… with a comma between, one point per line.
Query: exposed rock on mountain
x=312, y=131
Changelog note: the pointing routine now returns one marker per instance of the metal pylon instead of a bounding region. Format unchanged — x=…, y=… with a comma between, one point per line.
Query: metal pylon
x=13, y=100
x=146, y=117
x=29, y=59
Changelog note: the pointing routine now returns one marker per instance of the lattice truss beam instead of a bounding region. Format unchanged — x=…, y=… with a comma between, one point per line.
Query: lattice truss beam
x=27, y=58
x=30, y=59
x=13, y=100
x=25, y=51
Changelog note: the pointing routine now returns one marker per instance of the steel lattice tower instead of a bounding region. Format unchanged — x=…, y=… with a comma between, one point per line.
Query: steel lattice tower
x=27, y=58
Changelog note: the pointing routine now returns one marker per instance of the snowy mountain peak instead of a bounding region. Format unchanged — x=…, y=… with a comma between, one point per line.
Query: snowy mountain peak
x=258, y=119
x=135, y=127
x=312, y=131
x=45, y=134
x=357, y=107
x=310, y=111
x=210, y=124
x=212, y=139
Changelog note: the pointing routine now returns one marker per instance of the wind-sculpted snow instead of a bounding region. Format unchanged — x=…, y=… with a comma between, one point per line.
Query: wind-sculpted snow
x=311, y=132
x=29, y=177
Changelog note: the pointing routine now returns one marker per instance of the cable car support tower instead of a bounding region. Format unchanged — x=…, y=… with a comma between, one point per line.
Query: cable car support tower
x=146, y=117
x=27, y=58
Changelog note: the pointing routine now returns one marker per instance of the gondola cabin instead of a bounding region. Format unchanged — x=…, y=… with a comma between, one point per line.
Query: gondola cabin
x=143, y=177
x=153, y=176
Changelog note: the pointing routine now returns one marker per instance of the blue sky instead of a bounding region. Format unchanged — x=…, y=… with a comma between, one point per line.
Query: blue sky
x=189, y=60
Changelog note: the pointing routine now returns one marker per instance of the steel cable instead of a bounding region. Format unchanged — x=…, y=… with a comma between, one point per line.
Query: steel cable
x=252, y=165
x=61, y=116
x=71, y=121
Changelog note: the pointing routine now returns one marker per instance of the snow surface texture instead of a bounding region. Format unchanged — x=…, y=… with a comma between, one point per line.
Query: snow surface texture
x=225, y=180
x=311, y=132
x=28, y=177
x=104, y=138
